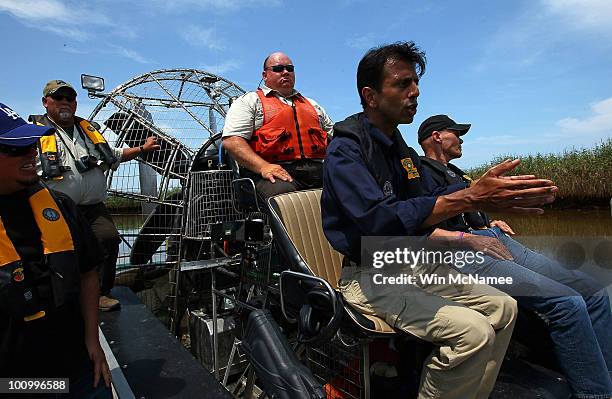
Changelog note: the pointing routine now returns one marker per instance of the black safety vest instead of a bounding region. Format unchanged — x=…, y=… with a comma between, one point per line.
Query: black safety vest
x=445, y=176
x=30, y=290
x=49, y=159
x=376, y=159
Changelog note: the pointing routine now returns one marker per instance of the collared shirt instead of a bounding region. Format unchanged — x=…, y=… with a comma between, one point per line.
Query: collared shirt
x=353, y=204
x=89, y=187
x=245, y=115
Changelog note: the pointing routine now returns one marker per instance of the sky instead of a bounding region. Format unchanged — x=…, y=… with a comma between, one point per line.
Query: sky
x=530, y=76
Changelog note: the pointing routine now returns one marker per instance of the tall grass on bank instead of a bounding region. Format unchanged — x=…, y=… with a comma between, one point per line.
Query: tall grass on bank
x=584, y=176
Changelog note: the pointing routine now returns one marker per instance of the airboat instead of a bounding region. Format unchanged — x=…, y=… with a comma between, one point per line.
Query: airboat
x=218, y=268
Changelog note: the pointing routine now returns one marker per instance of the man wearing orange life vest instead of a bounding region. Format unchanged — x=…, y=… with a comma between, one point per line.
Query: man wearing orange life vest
x=276, y=134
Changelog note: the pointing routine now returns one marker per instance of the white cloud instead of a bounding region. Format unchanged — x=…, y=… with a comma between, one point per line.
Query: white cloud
x=36, y=10
x=582, y=14
x=599, y=122
x=220, y=69
x=504, y=140
x=60, y=17
x=530, y=36
x=201, y=37
x=127, y=53
x=215, y=5
x=73, y=50
x=363, y=42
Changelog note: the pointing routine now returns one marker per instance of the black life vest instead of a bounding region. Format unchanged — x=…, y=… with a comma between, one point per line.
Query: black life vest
x=49, y=159
x=445, y=176
x=30, y=290
x=376, y=159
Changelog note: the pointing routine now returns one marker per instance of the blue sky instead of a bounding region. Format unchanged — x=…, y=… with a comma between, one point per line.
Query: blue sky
x=531, y=76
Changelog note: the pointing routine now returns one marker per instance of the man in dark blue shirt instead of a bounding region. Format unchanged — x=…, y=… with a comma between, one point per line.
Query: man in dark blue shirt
x=575, y=306
x=373, y=185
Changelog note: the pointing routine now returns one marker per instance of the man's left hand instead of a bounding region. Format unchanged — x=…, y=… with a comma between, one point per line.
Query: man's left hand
x=100, y=366
x=503, y=226
x=151, y=144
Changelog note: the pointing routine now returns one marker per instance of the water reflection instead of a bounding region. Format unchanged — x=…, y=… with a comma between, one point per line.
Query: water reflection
x=562, y=223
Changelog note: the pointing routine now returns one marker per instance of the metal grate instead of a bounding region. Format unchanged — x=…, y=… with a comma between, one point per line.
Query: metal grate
x=338, y=368
x=183, y=108
x=210, y=201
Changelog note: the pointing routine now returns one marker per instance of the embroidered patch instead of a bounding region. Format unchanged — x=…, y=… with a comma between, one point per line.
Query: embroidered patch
x=51, y=214
x=468, y=179
x=451, y=173
x=18, y=275
x=410, y=168
x=387, y=188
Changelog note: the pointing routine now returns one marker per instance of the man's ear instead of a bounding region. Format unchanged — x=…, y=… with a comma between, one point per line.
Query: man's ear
x=435, y=136
x=44, y=102
x=370, y=97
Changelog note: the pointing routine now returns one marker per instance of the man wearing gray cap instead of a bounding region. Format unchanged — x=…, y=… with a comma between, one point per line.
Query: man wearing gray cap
x=74, y=161
x=48, y=278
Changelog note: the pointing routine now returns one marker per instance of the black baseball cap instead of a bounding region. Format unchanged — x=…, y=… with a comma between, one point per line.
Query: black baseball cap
x=438, y=123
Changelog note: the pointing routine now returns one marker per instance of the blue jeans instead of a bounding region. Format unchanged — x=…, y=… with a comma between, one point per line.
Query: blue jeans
x=575, y=308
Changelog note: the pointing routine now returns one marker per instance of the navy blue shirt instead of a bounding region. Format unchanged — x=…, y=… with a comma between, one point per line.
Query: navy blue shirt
x=354, y=205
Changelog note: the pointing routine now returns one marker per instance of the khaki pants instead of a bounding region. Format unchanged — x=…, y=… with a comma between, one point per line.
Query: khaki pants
x=471, y=325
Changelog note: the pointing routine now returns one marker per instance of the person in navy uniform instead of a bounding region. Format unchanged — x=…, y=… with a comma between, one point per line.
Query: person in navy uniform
x=48, y=279
x=575, y=307
x=374, y=185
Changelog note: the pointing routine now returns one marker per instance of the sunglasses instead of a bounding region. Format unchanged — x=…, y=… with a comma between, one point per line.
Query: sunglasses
x=280, y=68
x=16, y=151
x=60, y=97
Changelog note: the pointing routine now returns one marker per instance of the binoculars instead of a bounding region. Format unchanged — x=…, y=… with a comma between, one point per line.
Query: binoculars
x=86, y=162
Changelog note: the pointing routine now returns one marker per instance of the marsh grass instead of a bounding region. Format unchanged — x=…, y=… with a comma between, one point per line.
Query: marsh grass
x=584, y=176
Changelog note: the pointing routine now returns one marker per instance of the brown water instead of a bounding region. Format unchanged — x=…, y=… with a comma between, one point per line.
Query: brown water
x=562, y=223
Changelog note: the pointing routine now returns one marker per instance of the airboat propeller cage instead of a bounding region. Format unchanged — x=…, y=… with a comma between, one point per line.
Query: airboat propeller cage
x=185, y=109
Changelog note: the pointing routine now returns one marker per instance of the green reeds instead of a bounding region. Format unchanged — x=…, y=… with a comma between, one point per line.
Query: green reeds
x=583, y=175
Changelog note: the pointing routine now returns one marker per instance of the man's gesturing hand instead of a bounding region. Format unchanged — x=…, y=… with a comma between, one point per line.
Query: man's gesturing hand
x=518, y=194
x=271, y=170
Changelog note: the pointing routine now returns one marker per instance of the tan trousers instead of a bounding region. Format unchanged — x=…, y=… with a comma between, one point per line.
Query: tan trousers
x=471, y=325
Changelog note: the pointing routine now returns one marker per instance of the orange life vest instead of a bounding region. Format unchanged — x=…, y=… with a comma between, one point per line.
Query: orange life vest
x=288, y=132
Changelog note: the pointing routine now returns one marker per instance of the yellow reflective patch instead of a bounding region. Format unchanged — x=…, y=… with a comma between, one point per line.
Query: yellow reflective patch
x=8, y=253
x=48, y=144
x=410, y=168
x=35, y=316
x=91, y=132
x=55, y=235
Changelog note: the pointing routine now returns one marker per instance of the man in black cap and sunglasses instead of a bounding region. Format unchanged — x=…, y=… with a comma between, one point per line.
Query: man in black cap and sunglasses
x=74, y=161
x=48, y=278
x=440, y=139
x=276, y=134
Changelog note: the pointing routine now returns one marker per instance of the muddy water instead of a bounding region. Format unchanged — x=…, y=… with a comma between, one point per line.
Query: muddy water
x=562, y=223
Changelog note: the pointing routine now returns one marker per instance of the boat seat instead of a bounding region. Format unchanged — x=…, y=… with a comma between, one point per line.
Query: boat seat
x=297, y=225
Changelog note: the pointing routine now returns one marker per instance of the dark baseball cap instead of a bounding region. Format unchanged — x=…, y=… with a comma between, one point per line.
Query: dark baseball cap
x=15, y=132
x=54, y=85
x=439, y=123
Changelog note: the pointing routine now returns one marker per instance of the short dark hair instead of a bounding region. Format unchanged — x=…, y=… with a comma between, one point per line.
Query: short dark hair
x=371, y=67
x=265, y=62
